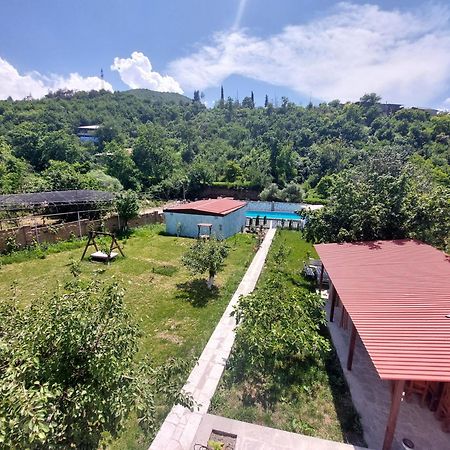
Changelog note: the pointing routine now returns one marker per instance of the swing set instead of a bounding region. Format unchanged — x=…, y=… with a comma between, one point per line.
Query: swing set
x=100, y=255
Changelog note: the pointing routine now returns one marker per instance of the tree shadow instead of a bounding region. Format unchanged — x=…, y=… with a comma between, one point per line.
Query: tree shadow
x=349, y=419
x=196, y=292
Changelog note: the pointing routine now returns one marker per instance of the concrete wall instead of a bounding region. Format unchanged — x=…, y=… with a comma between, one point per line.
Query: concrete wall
x=222, y=227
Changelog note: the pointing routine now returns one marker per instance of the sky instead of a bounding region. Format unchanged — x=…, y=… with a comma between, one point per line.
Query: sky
x=305, y=50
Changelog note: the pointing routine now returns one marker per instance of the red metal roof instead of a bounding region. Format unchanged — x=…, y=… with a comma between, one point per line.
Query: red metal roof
x=210, y=207
x=397, y=294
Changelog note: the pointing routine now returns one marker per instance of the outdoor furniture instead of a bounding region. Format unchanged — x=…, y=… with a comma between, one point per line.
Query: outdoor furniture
x=418, y=387
x=317, y=264
x=443, y=408
x=207, y=227
x=100, y=255
x=309, y=271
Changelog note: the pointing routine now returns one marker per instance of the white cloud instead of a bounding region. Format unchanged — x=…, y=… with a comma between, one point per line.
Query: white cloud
x=403, y=56
x=239, y=14
x=137, y=72
x=18, y=86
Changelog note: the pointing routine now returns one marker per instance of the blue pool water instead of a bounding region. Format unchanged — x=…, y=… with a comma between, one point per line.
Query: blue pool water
x=273, y=215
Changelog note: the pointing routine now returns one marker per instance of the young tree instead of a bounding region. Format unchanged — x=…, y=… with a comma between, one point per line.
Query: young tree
x=69, y=372
x=127, y=204
x=206, y=256
x=266, y=101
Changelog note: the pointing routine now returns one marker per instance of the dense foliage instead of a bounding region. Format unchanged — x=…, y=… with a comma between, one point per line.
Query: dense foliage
x=280, y=334
x=385, y=199
x=127, y=205
x=173, y=148
x=69, y=372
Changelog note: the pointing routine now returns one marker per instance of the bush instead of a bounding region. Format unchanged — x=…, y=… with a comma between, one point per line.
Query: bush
x=127, y=204
x=69, y=371
x=278, y=336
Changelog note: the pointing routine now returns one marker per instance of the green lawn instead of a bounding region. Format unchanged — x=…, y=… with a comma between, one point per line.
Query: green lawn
x=176, y=313
x=321, y=408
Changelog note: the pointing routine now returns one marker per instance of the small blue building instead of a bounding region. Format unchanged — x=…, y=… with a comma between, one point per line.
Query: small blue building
x=88, y=133
x=219, y=217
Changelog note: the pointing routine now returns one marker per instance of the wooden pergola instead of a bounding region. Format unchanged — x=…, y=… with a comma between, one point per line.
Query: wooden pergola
x=397, y=297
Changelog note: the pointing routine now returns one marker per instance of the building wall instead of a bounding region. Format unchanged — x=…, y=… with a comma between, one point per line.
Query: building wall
x=222, y=227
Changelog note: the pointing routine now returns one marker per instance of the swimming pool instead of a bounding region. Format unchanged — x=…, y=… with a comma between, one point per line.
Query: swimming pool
x=276, y=215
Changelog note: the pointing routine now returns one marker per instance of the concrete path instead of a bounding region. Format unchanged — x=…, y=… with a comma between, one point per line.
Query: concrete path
x=371, y=397
x=256, y=437
x=180, y=427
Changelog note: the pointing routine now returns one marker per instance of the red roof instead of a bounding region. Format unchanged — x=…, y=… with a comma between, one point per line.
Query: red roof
x=210, y=207
x=397, y=294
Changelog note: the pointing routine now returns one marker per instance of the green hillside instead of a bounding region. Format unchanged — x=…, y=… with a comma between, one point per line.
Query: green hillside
x=164, y=97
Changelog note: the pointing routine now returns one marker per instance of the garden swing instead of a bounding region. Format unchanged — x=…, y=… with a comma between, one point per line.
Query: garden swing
x=100, y=255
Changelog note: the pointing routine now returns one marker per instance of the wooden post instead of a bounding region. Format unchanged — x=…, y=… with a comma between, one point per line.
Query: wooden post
x=321, y=277
x=351, y=348
x=333, y=301
x=79, y=225
x=396, y=398
x=36, y=231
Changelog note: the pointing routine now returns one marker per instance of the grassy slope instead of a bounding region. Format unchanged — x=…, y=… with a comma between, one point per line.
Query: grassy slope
x=177, y=315
x=323, y=409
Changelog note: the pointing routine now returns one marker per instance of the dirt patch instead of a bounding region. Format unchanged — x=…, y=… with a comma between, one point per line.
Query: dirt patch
x=170, y=337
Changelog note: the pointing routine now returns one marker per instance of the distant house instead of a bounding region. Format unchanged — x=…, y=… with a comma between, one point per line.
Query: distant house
x=220, y=217
x=88, y=133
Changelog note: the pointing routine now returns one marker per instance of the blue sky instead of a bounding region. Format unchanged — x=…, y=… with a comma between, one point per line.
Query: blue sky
x=301, y=49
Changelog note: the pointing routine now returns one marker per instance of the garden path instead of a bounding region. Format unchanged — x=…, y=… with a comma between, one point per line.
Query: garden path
x=180, y=426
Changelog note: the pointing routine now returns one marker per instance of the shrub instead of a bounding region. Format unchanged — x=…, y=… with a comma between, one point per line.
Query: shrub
x=127, y=204
x=69, y=371
x=206, y=256
x=277, y=338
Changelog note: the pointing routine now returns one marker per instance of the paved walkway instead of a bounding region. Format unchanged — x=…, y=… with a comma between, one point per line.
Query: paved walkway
x=179, y=429
x=371, y=397
x=256, y=437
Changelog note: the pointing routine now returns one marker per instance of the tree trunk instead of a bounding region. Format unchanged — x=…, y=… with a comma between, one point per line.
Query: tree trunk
x=210, y=282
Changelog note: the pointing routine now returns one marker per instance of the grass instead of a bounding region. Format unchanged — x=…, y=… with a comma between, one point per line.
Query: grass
x=322, y=408
x=177, y=314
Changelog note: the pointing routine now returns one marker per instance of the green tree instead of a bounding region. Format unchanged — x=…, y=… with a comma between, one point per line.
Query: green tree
x=293, y=192
x=13, y=171
x=153, y=154
x=206, y=256
x=59, y=146
x=271, y=193
x=127, y=205
x=121, y=166
x=69, y=372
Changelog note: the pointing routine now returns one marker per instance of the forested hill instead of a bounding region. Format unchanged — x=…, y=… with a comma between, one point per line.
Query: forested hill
x=171, y=147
